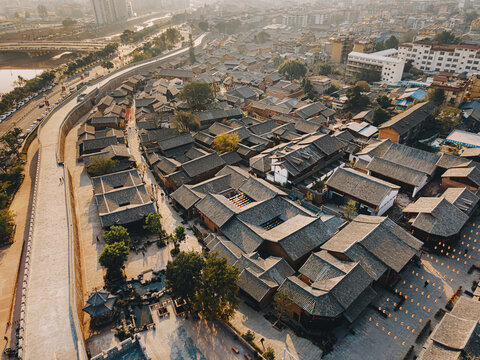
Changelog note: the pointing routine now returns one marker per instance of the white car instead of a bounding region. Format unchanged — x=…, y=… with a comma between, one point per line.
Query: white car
x=3, y=117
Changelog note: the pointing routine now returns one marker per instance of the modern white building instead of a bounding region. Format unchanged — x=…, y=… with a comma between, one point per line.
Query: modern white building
x=384, y=62
x=432, y=57
x=110, y=11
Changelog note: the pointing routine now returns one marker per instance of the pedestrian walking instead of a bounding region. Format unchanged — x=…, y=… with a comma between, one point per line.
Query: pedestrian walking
x=98, y=240
x=426, y=283
x=466, y=251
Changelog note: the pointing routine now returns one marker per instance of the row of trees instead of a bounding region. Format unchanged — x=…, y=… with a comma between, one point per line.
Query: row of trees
x=157, y=46
x=90, y=58
x=25, y=88
x=11, y=178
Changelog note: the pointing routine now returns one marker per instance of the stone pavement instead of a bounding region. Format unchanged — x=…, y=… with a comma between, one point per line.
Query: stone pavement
x=246, y=318
x=391, y=337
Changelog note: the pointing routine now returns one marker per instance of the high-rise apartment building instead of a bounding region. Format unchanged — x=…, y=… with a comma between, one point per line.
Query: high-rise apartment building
x=110, y=11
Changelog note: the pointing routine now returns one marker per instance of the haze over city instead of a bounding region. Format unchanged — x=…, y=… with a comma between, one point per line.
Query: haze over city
x=221, y=180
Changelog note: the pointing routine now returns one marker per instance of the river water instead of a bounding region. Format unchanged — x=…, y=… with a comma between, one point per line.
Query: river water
x=9, y=76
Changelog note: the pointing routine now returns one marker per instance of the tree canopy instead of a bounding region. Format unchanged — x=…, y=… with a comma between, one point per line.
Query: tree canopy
x=217, y=297
x=6, y=226
x=323, y=69
x=184, y=275
x=293, y=69
x=380, y=115
x=203, y=25
x=197, y=94
x=356, y=100
x=113, y=257
x=308, y=88
x=436, y=96
x=262, y=37
x=350, y=210
x=446, y=37
x=470, y=16
x=384, y=102
x=117, y=234
x=102, y=165
x=390, y=43
x=226, y=142
x=277, y=61
x=184, y=121
x=370, y=76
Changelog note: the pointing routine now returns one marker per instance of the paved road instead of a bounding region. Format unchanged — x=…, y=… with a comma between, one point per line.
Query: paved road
x=50, y=331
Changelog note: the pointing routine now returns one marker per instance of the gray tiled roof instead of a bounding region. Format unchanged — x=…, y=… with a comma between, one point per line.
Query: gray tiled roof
x=437, y=216
x=188, y=195
x=203, y=164
x=375, y=242
x=448, y=161
x=395, y=171
x=217, y=208
x=471, y=173
x=175, y=142
x=361, y=186
x=409, y=119
x=462, y=198
x=111, y=182
x=412, y=158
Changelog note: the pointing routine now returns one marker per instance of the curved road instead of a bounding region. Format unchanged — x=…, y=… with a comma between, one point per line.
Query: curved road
x=50, y=325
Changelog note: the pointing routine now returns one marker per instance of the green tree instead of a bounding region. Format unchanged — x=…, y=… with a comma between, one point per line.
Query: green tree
x=6, y=226
x=446, y=37
x=191, y=51
x=262, y=37
x=368, y=75
x=184, y=275
x=102, y=165
x=153, y=224
x=356, y=100
x=323, y=69
x=217, y=296
x=10, y=140
x=269, y=354
x=308, y=88
x=197, y=94
x=384, y=102
x=249, y=336
x=42, y=11
x=226, y=142
x=69, y=22
x=470, y=16
x=380, y=115
x=408, y=36
x=108, y=65
x=277, y=61
x=436, y=96
x=184, y=121
x=282, y=303
x=380, y=45
x=293, y=69
x=203, y=25
x=172, y=35
x=117, y=234
x=112, y=258
x=448, y=117
x=350, y=210
x=391, y=43
x=179, y=235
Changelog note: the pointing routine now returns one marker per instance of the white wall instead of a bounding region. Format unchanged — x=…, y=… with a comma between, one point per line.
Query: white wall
x=387, y=202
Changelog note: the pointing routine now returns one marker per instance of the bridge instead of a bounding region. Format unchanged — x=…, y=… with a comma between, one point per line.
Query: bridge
x=35, y=47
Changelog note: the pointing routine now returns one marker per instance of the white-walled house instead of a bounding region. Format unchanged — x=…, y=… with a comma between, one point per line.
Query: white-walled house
x=372, y=196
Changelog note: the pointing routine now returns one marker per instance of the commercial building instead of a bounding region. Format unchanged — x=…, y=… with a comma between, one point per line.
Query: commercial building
x=433, y=57
x=341, y=47
x=383, y=62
